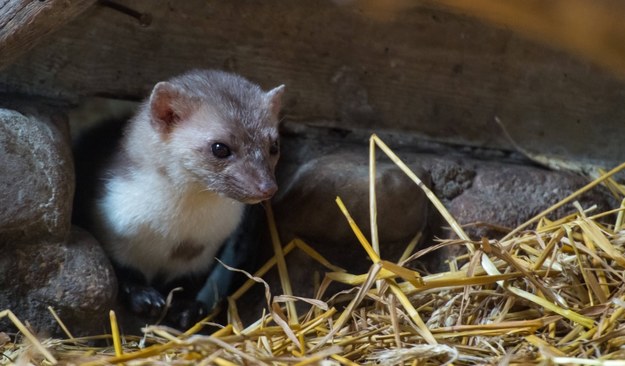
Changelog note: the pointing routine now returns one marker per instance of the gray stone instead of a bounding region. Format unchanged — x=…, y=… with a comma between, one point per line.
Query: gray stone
x=306, y=207
x=36, y=176
x=450, y=177
x=311, y=176
x=74, y=278
x=508, y=195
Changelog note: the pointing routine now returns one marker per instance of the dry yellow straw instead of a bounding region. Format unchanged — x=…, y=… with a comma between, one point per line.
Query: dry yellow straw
x=340, y=322
x=60, y=322
x=361, y=237
x=431, y=196
x=261, y=272
x=373, y=210
x=282, y=269
x=486, y=262
x=143, y=353
x=421, y=327
x=35, y=342
x=117, y=343
x=295, y=243
x=619, y=218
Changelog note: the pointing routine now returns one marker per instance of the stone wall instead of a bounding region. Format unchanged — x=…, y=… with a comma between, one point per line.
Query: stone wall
x=45, y=261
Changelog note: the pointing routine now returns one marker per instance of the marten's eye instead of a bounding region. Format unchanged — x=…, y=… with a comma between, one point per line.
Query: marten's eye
x=220, y=150
x=274, y=148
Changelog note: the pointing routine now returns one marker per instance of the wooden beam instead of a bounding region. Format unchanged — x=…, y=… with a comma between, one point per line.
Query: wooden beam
x=24, y=23
x=409, y=67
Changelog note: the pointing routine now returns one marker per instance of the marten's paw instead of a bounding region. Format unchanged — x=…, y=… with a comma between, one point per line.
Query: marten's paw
x=185, y=313
x=143, y=300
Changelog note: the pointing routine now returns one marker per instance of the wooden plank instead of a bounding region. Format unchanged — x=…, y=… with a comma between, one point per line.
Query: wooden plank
x=25, y=23
x=422, y=69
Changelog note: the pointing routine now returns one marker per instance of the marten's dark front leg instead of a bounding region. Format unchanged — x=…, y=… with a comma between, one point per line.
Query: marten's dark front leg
x=184, y=313
x=184, y=310
x=137, y=295
x=240, y=251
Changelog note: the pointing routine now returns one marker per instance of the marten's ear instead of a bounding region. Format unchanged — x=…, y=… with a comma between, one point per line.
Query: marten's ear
x=168, y=105
x=274, y=99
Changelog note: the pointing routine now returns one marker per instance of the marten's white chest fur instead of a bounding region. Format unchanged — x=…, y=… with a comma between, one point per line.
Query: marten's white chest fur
x=157, y=228
x=202, y=146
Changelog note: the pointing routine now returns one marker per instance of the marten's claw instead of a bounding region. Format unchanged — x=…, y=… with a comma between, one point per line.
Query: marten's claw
x=143, y=300
x=184, y=314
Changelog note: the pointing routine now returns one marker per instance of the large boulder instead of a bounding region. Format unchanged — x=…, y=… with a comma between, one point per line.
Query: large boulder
x=37, y=176
x=74, y=278
x=507, y=195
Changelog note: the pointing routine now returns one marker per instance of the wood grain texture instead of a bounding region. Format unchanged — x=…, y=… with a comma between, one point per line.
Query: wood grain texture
x=422, y=69
x=24, y=23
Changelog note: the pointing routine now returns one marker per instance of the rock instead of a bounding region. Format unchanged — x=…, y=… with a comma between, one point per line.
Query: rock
x=310, y=177
x=44, y=262
x=450, y=177
x=508, y=195
x=306, y=207
x=37, y=179
x=74, y=278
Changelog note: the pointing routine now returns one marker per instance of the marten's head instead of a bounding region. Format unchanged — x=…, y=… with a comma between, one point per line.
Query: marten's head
x=219, y=131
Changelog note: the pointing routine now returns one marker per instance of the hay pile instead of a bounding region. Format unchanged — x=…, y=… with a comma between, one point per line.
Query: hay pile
x=549, y=292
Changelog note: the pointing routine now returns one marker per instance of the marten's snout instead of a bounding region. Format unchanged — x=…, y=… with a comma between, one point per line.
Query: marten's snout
x=267, y=189
x=261, y=180
x=258, y=185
